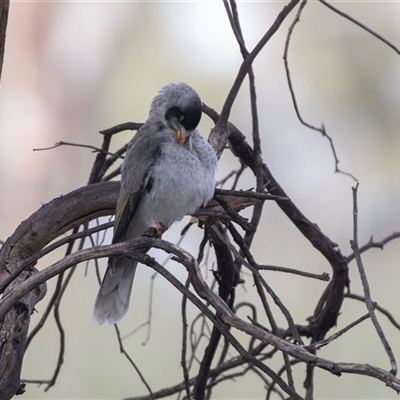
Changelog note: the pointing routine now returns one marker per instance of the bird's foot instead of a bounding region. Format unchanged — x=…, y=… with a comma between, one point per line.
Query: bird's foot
x=156, y=231
x=160, y=228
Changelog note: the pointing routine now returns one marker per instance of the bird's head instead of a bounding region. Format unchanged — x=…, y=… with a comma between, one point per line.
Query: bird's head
x=180, y=108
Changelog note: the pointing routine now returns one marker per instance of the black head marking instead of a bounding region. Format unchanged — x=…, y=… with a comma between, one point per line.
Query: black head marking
x=189, y=117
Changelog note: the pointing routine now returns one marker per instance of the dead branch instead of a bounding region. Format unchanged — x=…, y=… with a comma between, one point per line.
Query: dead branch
x=354, y=21
x=226, y=233
x=4, y=8
x=322, y=129
x=224, y=312
x=80, y=206
x=367, y=293
x=13, y=333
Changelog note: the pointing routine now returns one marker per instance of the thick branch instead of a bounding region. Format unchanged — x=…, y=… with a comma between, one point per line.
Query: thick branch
x=13, y=333
x=205, y=292
x=46, y=224
x=326, y=313
x=4, y=7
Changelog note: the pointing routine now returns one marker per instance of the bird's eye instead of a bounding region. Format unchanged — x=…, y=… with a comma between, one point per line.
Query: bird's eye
x=189, y=117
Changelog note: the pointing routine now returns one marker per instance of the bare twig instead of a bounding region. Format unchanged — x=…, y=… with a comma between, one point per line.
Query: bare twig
x=235, y=173
x=377, y=306
x=112, y=174
x=364, y=280
x=372, y=244
x=129, y=358
x=61, y=331
x=184, y=342
x=85, y=146
x=98, y=168
x=280, y=372
x=257, y=211
x=127, y=126
x=330, y=339
x=244, y=68
x=146, y=323
x=215, y=372
x=354, y=21
x=249, y=193
x=70, y=239
x=323, y=277
x=219, y=134
x=322, y=129
x=43, y=319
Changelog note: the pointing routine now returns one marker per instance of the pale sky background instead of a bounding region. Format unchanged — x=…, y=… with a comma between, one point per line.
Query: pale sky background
x=74, y=68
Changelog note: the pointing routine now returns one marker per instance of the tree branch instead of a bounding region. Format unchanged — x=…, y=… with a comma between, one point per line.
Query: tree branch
x=322, y=129
x=364, y=280
x=13, y=333
x=4, y=8
x=80, y=206
x=354, y=21
x=219, y=134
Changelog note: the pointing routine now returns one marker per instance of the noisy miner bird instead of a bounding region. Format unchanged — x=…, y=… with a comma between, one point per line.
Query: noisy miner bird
x=168, y=172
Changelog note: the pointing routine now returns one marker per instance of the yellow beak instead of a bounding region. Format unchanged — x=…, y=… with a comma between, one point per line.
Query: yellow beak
x=181, y=136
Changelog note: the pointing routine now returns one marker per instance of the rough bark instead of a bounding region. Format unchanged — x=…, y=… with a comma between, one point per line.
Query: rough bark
x=13, y=334
x=18, y=257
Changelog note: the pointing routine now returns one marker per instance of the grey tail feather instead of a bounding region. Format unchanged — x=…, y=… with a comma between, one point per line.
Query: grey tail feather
x=112, y=301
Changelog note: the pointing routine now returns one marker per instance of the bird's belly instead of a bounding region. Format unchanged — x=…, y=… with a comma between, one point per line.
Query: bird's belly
x=177, y=190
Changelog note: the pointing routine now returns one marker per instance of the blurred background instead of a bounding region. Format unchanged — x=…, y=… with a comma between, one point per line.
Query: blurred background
x=72, y=69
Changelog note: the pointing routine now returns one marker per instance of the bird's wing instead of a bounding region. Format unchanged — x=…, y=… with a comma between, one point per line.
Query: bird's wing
x=124, y=213
x=136, y=176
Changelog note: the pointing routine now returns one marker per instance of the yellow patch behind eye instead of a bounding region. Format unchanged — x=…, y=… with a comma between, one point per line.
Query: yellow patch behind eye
x=181, y=118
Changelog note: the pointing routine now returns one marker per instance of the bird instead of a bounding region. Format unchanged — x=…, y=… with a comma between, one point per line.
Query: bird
x=168, y=172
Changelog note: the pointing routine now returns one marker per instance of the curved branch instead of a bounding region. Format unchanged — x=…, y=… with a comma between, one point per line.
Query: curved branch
x=204, y=291
x=128, y=249
x=78, y=207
